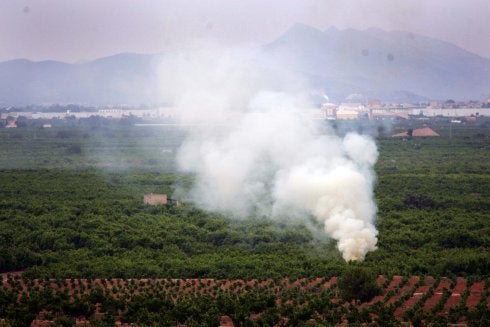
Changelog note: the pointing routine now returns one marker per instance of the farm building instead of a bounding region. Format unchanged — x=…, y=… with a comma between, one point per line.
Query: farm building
x=419, y=132
x=159, y=199
x=155, y=199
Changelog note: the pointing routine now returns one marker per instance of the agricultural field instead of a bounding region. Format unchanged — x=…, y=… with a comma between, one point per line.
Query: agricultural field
x=267, y=302
x=71, y=207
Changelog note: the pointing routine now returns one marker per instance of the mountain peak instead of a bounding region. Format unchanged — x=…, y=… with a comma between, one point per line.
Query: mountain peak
x=331, y=29
x=379, y=63
x=376, y=32
x=300, y=30
x=300, y=27
x=299, y=35
x=373, y=29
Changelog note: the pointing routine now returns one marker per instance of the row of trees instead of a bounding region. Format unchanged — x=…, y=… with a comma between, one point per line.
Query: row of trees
x=249, y=303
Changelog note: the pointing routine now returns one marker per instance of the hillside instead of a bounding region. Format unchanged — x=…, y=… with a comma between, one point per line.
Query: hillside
x=379, y=64
x=119, y=79
x=393, y=66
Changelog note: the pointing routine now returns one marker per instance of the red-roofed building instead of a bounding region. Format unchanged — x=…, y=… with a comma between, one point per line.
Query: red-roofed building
x=419, y=132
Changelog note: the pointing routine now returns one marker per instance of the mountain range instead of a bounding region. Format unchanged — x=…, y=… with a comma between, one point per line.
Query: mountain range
x=392, y=66
x=387, y=65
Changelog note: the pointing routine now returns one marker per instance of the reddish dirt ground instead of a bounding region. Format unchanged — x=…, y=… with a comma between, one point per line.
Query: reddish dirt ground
x=400, y=291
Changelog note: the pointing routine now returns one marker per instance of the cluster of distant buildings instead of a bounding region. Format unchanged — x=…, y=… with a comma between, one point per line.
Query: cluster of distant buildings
x=114, y=113
x=372, y=109
x=375, y=109
x=10, y=117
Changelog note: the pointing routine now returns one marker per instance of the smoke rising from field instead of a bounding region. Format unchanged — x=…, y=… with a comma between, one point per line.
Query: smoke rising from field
x=254, y=149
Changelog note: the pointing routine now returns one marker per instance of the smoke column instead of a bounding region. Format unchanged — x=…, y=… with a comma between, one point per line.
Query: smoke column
x=254, y=150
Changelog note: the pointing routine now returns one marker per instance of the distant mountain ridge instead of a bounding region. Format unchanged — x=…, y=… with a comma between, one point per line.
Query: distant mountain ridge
x=392, y=66
x=119, y=79
x=379, y=64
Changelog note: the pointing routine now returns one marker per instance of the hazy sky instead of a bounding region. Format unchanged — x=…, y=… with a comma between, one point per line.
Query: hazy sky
x=73, y=30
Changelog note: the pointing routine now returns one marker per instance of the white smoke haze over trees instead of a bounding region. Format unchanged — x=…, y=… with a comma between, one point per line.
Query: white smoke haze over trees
x=255, y=151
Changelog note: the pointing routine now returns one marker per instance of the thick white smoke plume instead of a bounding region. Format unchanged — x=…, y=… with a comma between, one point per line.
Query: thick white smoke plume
x=255, y=150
